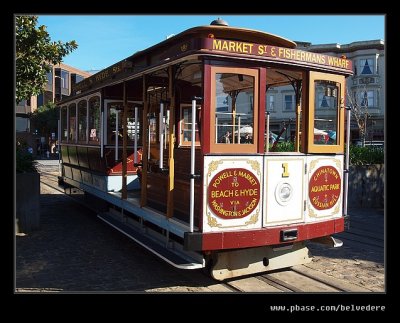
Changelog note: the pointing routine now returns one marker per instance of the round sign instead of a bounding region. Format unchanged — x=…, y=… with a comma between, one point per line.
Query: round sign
x=324, y=187
x=233, y=193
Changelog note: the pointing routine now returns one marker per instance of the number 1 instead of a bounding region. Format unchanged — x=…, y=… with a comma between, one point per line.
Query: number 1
x=285, y=167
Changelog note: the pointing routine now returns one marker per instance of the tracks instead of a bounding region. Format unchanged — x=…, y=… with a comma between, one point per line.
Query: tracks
x=297, y=279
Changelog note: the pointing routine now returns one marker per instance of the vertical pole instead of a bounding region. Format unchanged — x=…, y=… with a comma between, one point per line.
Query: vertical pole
x=124, y=193
x=58, y=144
x=76, y=124
x=216, y=128
x=148, y=141
x=102, y=134
x=347, y=163
x=87, y=121
x=165, y=129
x=297, y=142
x=146, y=150
x=171, y=160
x=192, y=160
x=116, y=135
x=161, y=131
x=238, y=130
x=267, y=140
x=136, y=136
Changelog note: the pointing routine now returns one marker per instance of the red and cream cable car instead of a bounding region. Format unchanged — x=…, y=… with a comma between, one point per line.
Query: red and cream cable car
x=174, y=140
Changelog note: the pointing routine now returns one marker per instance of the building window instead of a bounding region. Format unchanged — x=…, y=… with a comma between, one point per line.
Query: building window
x=50, y=76
x=21, y=124
x=270, y=102
x=64, y=79
x=78, y=78
x=40, y=100
x=367, y=99
x=289, y=100
x=366, y=66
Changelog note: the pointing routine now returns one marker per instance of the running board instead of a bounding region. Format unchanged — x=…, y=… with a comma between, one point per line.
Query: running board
x=170, y=256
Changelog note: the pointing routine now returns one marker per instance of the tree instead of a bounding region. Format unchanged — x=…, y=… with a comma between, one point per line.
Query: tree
x=34, y=52
x=358, y=102
x=45, y=119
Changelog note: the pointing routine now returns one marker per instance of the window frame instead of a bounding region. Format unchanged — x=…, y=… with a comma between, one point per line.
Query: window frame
x=318, y=148
x=182, y=142
x=371, y=66
x=234, y=147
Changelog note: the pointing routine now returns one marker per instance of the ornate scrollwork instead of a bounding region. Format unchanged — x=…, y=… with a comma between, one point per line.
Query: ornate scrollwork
x=253, y=219
x=212, y=222
x=255, y=165
x=312, y=214
x=313, y=163
x=212, y=166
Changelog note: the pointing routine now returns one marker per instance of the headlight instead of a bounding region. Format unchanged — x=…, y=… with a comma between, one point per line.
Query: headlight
x=283, y=193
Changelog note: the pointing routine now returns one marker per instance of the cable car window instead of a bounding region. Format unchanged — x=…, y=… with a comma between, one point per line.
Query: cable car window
x=72, y=122
x=186, y=126
x=94, y=120
x=234, y=113
x=325, y=115
x=82, y=121
x=64, y=123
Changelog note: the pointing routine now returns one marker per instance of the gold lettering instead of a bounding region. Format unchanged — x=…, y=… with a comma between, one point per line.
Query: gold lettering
x=217, y=44
x=262, y=49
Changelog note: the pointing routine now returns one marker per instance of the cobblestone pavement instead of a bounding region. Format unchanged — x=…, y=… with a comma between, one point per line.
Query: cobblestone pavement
x=74, y=251
x=356, y=262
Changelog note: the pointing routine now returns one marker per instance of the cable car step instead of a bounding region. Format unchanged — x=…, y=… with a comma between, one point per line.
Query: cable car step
x=168, y=255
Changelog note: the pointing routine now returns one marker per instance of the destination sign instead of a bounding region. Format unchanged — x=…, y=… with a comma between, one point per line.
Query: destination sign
x=233, y=193
x=324, y=187
x=279, y=53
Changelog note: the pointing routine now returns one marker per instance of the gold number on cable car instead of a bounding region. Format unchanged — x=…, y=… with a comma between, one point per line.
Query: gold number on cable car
x=285, y=172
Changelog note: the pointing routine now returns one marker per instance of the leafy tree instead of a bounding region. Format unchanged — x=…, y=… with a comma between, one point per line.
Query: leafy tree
x=44, y=119
x=34, y=52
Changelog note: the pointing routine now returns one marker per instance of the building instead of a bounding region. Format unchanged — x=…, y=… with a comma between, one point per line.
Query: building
x=59, y=82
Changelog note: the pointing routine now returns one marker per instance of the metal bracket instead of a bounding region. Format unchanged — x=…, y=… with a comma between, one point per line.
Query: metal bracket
x=329, y=241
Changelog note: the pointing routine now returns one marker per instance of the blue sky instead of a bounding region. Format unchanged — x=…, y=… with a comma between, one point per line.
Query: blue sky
x=105, y=40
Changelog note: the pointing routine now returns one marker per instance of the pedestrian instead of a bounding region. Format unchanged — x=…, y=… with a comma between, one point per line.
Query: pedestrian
x=226, y=138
